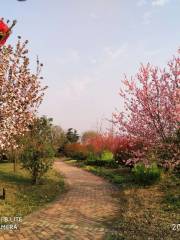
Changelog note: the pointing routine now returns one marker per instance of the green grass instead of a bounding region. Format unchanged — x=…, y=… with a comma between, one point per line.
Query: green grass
x=113, y=175
x=171, y=189
x=144, y=211
x=114, y=236
x=22, y=197
x=120, y=176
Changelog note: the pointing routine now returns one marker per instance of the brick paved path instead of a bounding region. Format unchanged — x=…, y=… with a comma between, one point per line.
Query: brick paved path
x=78, y=214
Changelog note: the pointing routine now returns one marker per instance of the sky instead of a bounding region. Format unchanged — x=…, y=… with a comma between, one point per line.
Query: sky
x=87, y=46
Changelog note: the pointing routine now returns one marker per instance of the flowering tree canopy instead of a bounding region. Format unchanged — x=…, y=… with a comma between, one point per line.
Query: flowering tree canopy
x=20, y=93
x=151, y=102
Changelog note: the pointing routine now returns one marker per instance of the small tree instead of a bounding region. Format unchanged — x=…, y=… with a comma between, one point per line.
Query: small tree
x=37, y=154
x=152, y=112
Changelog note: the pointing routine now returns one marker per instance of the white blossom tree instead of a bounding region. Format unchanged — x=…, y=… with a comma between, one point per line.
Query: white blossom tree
x=21, y=93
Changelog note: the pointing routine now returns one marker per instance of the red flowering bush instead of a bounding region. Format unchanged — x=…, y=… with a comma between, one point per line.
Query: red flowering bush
x=103, y=142
x=127, y=151
x=76, y=151
x=130, y=151
x=96, y=144
x=5, y=31
x=124, y=150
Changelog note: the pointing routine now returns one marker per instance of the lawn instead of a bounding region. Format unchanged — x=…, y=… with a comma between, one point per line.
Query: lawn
x=22, y=197
x=144, y=210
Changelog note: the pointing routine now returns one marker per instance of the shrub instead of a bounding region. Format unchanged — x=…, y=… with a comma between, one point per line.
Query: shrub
x=103, y=142
x=107, y=155
x=37, y=151
x=92, y=156
x=130, y=151
x=102, y=163
x=124, y=149
x=37, y=159
x=76, y=151
x=103, y=160
x=146, y=175
x=96, y=162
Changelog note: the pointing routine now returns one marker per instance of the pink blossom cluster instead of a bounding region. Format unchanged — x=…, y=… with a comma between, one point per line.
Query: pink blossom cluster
x=152, y=102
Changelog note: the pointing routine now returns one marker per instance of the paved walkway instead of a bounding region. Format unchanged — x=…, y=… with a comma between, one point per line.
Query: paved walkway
x=80, y=214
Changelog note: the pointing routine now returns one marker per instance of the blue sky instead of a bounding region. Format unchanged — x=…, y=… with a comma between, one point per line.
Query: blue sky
x=87, y=46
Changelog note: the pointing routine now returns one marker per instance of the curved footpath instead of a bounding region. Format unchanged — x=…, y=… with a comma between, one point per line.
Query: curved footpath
x=83, y=212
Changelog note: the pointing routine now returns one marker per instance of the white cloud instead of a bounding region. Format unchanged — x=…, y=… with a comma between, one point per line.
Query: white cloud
x=159, y=3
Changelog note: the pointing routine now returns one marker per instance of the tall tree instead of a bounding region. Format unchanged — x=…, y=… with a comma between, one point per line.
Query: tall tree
x=58, y=138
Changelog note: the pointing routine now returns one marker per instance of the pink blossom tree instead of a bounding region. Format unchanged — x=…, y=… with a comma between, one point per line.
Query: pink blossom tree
x=151, y=102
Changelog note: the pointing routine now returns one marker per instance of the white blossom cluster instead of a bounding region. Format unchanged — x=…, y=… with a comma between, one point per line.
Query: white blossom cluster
x=20, y=93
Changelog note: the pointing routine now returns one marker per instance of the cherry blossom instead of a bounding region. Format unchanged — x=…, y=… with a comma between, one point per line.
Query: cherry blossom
x=151, y=102
x=20, y=92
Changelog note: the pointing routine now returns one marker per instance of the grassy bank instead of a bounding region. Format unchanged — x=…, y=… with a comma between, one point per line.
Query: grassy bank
x=146, y=212
x=23, y=198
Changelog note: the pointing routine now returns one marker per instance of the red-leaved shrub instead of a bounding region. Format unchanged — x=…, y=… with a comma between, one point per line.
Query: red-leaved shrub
x=76, y=150
x=127, y=151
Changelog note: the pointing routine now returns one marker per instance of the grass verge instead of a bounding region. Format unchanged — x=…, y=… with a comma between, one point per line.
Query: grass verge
x=23, y=198
x=145, y=212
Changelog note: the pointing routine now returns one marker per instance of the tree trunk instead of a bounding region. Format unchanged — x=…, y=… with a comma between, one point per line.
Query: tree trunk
x=14, y=163
x=34, y=179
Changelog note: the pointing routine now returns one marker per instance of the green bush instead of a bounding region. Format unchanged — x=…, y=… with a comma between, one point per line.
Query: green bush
x=37, y=160
x=92, y=156
x=104, y=160
x=107, y=155
x=102, y=163
x=146, y=175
